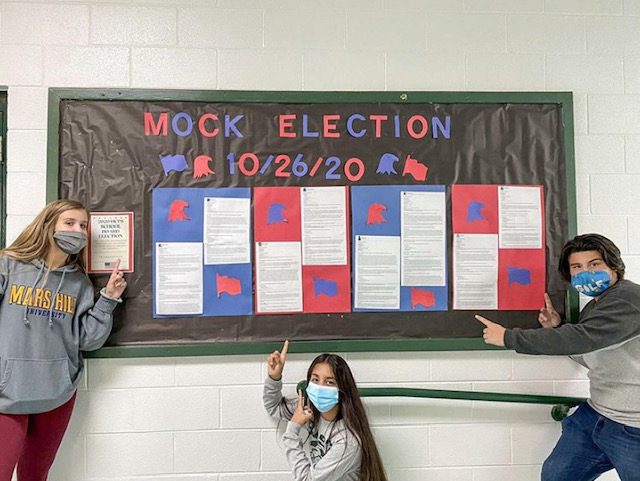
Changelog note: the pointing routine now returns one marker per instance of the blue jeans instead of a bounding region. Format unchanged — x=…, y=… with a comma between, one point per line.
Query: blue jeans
x=592, y=444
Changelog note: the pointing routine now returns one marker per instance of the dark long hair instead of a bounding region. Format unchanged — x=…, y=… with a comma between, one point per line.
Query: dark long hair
x=353, y=415
x=591, y=242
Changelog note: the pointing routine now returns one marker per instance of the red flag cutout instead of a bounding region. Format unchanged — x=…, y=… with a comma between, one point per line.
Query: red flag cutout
x=228, y=285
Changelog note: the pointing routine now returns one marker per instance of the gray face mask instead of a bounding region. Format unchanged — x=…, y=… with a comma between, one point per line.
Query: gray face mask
x=70, y=242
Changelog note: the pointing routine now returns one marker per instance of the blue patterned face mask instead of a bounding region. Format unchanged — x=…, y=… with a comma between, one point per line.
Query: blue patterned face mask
x=591, y=283
x=324, y=398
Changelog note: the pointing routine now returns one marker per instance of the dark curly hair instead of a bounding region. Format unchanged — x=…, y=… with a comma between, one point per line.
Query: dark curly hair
x=591, y=242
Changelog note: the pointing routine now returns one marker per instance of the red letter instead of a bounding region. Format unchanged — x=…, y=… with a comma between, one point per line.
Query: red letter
x=202, y=125
x=377, y=120
x=152, y=128
x=412, y=132
x=329, y=126
x=285, y=121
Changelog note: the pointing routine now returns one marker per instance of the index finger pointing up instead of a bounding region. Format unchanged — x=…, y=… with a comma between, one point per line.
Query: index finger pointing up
x=116, y=268
x=285, y=348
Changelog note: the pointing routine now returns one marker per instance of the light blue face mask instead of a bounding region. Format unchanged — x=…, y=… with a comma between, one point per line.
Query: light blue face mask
x=591, y=283
x=324, y=398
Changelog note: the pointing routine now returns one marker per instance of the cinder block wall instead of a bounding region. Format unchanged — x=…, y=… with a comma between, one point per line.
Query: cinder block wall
x=201, y=419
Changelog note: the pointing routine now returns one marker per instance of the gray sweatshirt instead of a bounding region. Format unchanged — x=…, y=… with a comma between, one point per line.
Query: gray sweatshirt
x=606, y=340
x=46, y=319
x=334, y=452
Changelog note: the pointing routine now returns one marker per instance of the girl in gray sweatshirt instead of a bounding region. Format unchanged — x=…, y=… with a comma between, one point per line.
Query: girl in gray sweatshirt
x=330, y=416
x=48, y=314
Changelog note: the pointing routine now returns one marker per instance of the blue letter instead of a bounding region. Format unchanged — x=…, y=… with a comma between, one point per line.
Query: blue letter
x=230, y=125
x=176, y=129
x=437, y=125
x=305, y=128
x=353, y=133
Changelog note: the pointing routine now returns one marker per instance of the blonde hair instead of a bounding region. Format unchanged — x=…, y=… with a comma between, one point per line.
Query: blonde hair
x=35, y=241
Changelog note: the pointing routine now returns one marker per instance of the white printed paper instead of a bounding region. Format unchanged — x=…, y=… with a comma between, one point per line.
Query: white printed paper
x=475, y=271
x=278, y=277
x=423, y=234
x=324, y=226
x=520, y=217
x=227, y=230
x=111, y=239
x=178, y=278
x=377, y=276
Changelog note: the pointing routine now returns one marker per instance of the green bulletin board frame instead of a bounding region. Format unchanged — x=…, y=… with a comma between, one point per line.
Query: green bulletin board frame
x=564, y=99
x=3, y=165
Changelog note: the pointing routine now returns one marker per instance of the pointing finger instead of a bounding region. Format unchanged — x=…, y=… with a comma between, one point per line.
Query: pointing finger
x=484, y=320
x=285, y=348
x=547, y=301
x=116, y=270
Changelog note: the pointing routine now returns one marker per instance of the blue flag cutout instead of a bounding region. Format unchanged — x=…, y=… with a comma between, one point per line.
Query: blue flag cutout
x=175, y=163
x=324, y=287
x=520, y=276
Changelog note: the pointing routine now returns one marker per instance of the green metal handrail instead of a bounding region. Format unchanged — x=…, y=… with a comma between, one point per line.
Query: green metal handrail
x=560, y=409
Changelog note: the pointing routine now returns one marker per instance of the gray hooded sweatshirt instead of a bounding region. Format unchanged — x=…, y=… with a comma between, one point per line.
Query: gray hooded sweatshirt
x=46, y=319
x=334, y=452
x=606, y=340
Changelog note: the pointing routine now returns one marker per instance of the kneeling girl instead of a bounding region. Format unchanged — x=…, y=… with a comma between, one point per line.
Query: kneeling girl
x=341, y=445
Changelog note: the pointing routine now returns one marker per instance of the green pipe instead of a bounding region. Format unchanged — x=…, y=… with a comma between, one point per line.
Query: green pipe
x=561, y=404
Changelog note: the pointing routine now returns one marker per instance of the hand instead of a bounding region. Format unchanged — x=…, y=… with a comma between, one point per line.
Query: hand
x=303, y=412
x=275, y=362
x=493, y=333
x=116, y=284
x=548, y=316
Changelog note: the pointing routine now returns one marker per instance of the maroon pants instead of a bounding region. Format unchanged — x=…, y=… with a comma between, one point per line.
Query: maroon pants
x=31, y=442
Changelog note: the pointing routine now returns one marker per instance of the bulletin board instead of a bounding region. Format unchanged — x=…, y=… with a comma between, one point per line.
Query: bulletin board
x=344, y=221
